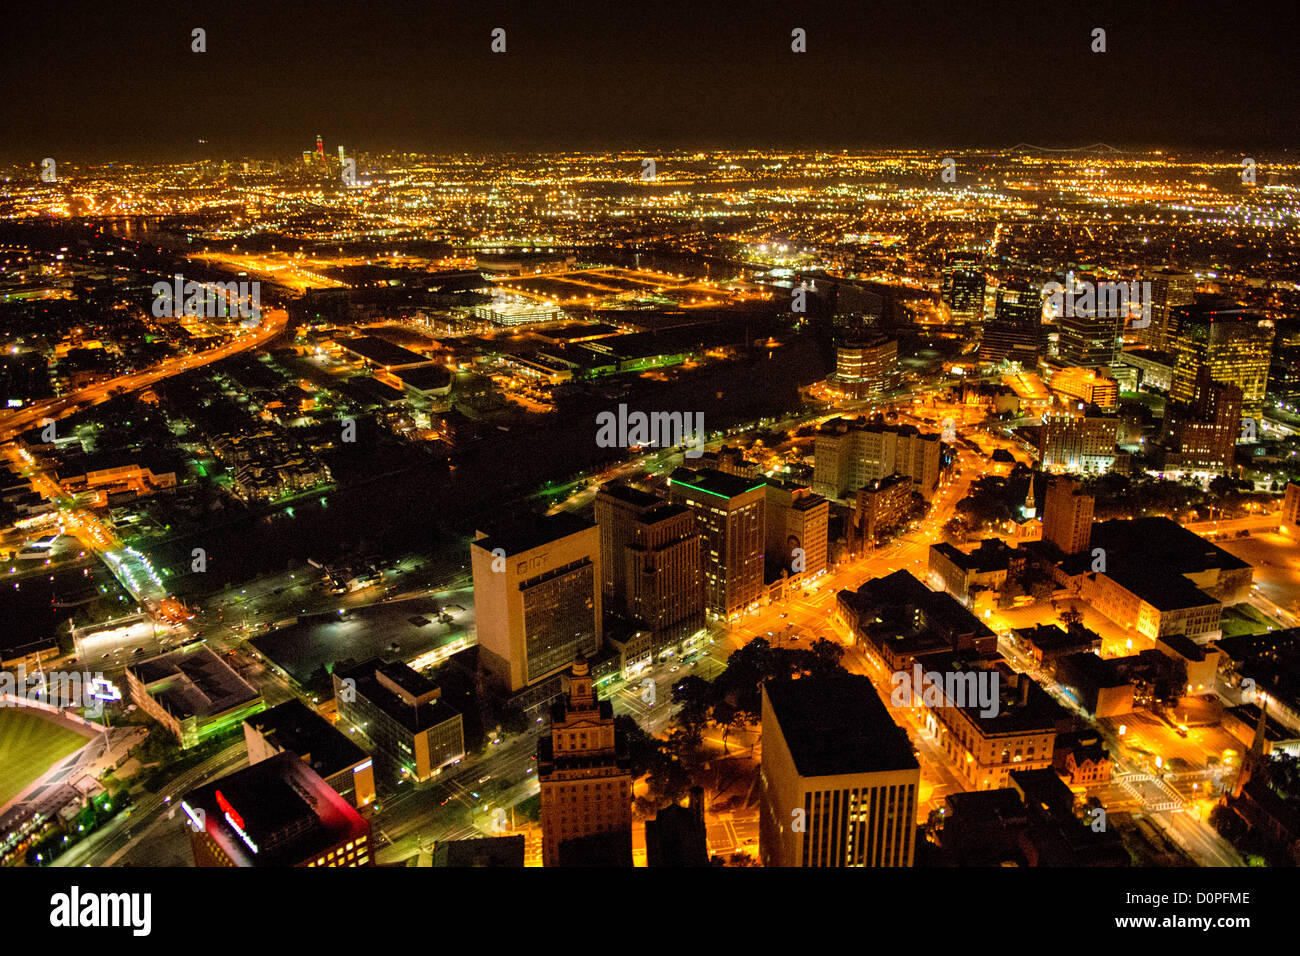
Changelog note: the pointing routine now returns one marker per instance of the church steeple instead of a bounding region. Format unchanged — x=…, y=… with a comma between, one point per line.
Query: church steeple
x=1030, y=508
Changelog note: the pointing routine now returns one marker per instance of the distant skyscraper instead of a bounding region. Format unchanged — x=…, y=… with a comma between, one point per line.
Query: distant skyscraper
x=320, y=147
x=1088, y=335
x=342, y=158
x=838, y=778
x=586, y=781
x=963, y=288
x=1015, y=333
x=796, y=528
x=617, y=508
x=537, y=598
x=729, y=512
x=1170, y=288
x=1291, y=509
x=1201, y=435
x=1233, y=342
x=1067, y=514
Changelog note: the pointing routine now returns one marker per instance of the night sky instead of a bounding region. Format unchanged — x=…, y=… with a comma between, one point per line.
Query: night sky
x=104, y=80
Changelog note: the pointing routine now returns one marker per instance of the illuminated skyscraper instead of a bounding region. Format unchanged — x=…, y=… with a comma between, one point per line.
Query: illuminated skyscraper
x=963, y=287
x=1234, y=343
x=730, y=514
x=537, y=598
x=1201, y=435
x=1170, y=289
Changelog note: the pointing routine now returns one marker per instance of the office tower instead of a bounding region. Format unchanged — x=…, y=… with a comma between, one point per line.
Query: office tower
x=676, y=836
x=865, y=366
x=880, y=507
x=853, y=453
x=320, y=147
x=617, y=508
x=1201, y=435
x=537, y=598
x=400, y=711
x=797, y=523
x=276, y=813
x=295, y=728
x=730, y=515
x=1089, y=334
x=583, y=769
x=1233, y=342
x=1170, y=288
x=1015, y=333
x=1078, y=441
x=342, y=158
x=838, y=777
x=963, y=287
x=1067, y=514
x=664, y=591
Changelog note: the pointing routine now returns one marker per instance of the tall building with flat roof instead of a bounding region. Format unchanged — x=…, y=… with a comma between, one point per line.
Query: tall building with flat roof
x=617, y=508
x=400, y=712
x=1291, y=509
x=797, y=521
x=1170, y=288
x=276, y=813
x=295, y=728
x=1079, y=441
x=1201, y=435
x=586, y=780
x=1233, y=342
x=1067, y=514
x=664, y=574
x=838, y=777
x=537, y=598
x=865, y=366
x=852, y=453
x=730, y=514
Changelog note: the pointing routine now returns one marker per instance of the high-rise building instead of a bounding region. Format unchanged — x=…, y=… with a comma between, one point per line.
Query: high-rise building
x=963, y=287
x=797, y=521
x=1170, y=288
x=1089, y=335
x=1234, y=343
x=1015, y=333
x=880, y=507
x=853, y=453
x=1201, y=435
x=401, y=712
x=664, y=575
x=1067, y=514
x=730, y=515
x=276, y=813
x=296, y=728
x=586, y=780
x=1082, y=440
x=865, y=366
x=617, y=508
x=838, y=777
x=537, y=598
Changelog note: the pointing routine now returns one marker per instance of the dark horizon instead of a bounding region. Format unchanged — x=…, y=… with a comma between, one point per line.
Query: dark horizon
x=94, y=84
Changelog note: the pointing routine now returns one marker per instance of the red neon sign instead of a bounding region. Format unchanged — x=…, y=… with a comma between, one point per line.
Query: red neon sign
x=224, y=804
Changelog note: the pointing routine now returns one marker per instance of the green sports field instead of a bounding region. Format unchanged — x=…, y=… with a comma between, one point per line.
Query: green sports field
x=29, y=744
